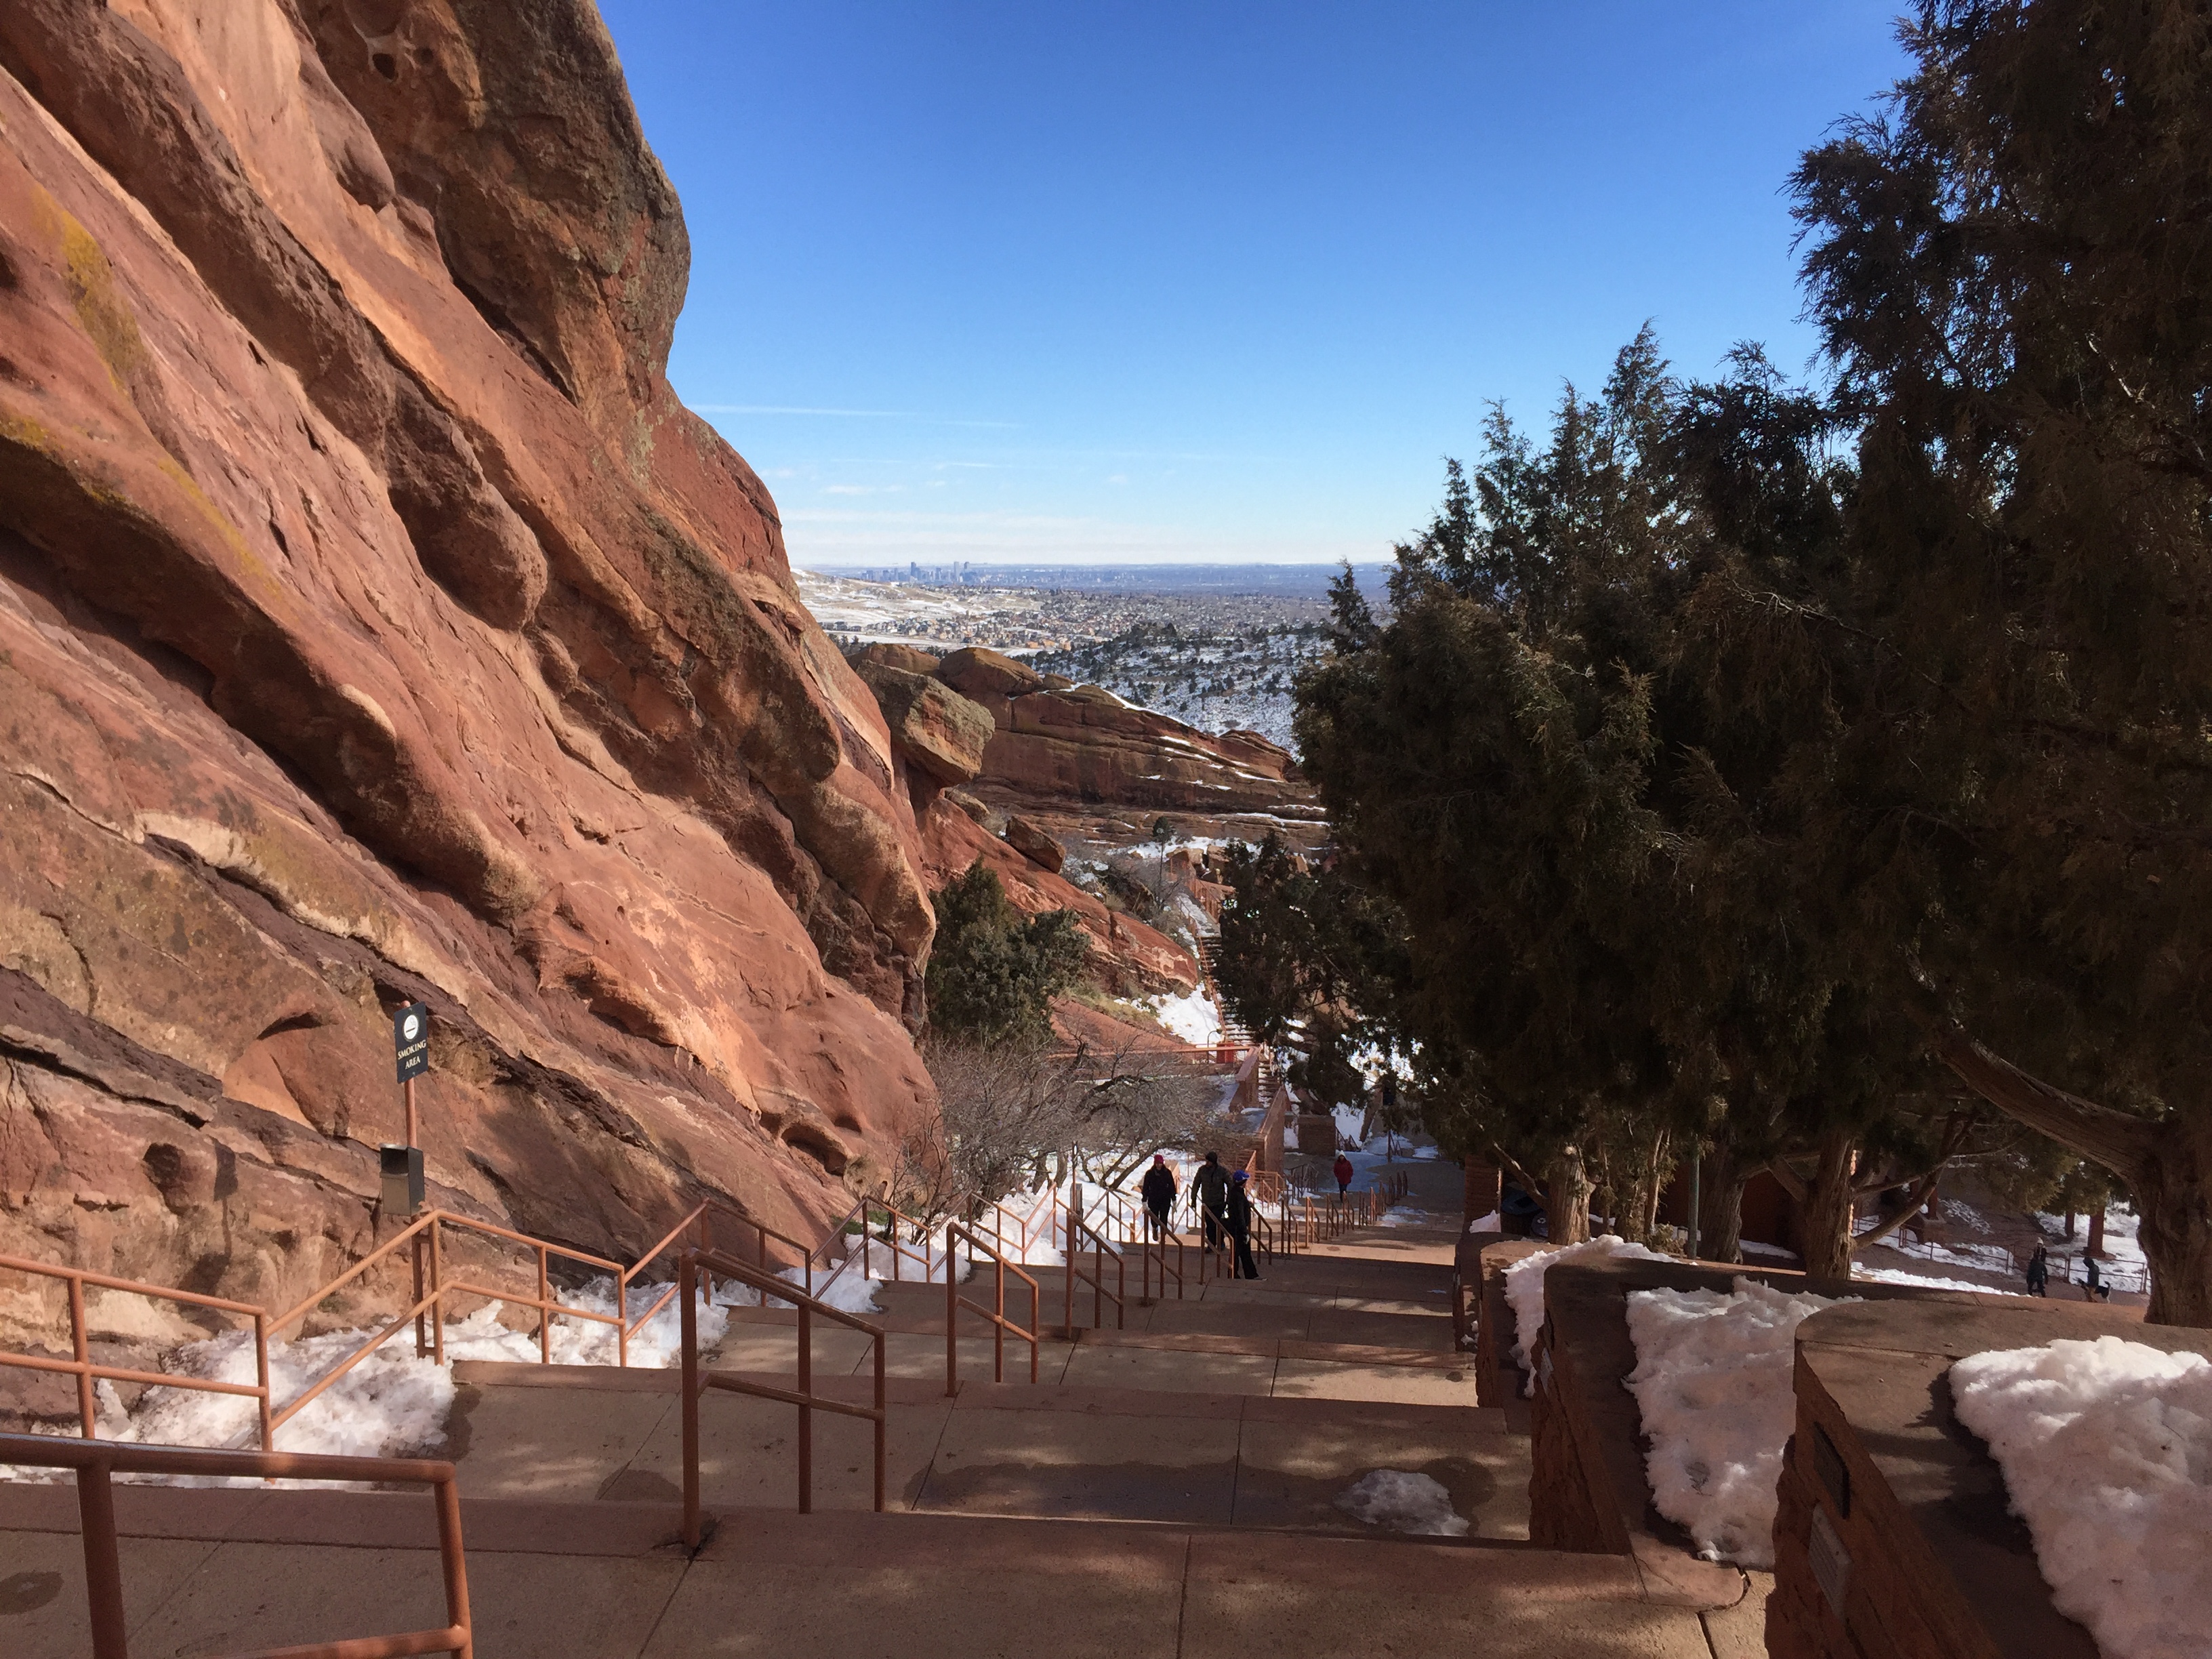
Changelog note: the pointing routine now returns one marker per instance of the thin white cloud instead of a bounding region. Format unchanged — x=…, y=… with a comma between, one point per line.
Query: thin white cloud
x=851, y=413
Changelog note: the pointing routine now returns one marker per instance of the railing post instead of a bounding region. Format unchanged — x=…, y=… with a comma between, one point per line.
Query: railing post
x=454, y=1563
x=261, y=1376
x=437, y=1291
x=103, y=1568
x=1066, y=1283
x=998, y=1330
x=951, y=1337
x=421, y=1336
x=806, y=1411
x=545, y=1311
x=882, y=1417
x=622, y=1318
x=87, y=1412
x=689, y=1338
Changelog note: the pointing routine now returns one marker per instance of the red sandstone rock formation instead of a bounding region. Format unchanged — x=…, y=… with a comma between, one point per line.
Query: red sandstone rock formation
x=375, y=625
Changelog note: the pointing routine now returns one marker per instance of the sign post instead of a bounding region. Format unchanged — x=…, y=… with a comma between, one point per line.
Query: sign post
x=410, y=1052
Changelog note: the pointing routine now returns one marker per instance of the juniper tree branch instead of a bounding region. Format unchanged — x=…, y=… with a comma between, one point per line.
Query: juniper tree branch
x=2119, y=1140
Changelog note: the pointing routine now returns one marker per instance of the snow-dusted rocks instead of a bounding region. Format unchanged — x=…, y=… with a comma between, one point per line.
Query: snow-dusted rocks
x=1712, y=1382
x=2106, y=1449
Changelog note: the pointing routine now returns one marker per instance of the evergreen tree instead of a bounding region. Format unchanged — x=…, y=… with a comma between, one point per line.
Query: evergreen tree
x=2012, y=272
x=993, y=971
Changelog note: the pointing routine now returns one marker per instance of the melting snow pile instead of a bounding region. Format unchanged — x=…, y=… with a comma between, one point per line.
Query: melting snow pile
x=1399, y=1501
x=1712, y=1380
x=1189, y=1018
x=2106, y=1449
x=1524, y=1289
x=392, y=1403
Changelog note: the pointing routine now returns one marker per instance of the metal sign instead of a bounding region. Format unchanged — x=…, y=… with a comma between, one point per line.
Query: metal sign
x=411, y=1040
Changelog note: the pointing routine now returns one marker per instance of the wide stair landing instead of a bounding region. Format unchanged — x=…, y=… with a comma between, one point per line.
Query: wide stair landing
x=1168, y=1489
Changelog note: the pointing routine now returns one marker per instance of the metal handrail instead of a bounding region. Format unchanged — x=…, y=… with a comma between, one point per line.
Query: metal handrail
x=95, y=1460
x=88, y=1371
x=1099, y=1294
x=689, y=1266
x=999, y=1323
x=702, y=1218
x=892, y=1216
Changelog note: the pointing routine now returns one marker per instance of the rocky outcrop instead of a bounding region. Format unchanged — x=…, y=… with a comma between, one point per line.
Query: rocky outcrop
x=939, y=732
x=1035, y=842
x=1086, y=745
x=375, y=625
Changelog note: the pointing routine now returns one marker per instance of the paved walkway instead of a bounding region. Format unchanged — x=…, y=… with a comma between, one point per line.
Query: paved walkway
x=227, y=1572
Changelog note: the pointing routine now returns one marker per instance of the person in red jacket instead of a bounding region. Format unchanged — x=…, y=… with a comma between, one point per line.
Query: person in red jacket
x=1343, y=1175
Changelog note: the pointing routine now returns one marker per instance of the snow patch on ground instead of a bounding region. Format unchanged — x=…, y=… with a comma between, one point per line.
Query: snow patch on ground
x=1524, y=1288
x=1399, y=1501
x=2106, y=1449
x=1712, y=1380
x=1191, y=1017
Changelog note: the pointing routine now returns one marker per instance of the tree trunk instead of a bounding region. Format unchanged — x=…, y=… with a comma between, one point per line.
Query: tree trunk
x=1567, y=1210
x=1828, y=1208
x=1483, y=1186
x=1720, y=1206
x=2070, y=1226
x=2097, y=1230
x=2172, y=1193
x=2168, y=1166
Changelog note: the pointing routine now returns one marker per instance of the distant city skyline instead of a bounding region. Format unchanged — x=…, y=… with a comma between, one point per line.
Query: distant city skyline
x=1082, y=286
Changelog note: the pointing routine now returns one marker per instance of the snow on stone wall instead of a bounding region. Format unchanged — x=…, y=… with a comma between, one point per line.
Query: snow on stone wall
x=2106, y=1449
x=1712, y=1381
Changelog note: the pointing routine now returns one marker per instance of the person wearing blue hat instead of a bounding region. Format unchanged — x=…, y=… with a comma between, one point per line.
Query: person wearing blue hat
x=1238, y=1219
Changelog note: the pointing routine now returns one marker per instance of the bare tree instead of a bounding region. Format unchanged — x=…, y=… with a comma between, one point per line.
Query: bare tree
x=1009, y=1117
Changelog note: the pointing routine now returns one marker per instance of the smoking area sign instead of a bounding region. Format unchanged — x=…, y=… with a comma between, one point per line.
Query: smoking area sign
x=411, y=1040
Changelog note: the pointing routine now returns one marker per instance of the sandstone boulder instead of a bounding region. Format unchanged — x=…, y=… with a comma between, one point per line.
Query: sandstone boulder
x=985, y=675
x=889, y=654
x=935, y=729
x=1035, y=842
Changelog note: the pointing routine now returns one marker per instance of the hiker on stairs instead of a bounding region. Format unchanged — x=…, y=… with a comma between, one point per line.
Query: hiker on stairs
x=1159, y=1191
x=1239, y=1222
x=1210, y=1187
x=1343, y=1171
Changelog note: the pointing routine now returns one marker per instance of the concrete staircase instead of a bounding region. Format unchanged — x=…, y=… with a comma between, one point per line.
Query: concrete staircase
x=1165, y=1488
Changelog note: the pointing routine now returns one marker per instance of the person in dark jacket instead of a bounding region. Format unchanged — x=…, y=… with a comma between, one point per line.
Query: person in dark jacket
x=2038, y=1272
x=1343, y=1172
x=1158, y=1190
x=1238, y=1219
x=1210, y=1187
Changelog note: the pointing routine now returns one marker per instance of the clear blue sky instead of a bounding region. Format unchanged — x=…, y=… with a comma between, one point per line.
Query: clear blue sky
x=1106, y=283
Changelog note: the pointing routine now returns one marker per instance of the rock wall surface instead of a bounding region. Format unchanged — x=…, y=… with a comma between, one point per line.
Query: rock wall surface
x=376, y=625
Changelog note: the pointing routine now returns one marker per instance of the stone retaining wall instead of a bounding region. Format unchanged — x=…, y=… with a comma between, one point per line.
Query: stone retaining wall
x=1894, y=1538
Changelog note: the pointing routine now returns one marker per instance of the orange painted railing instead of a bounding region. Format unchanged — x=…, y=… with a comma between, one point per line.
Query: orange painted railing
x=81, y=1365
x=423, y=1242
x=689, y=1267
x=996, y=1314
x=902, y=1251
x=94, y=1461
x=1078, y=1230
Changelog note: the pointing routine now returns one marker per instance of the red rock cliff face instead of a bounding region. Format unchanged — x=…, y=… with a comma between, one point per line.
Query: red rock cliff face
x=375, y=624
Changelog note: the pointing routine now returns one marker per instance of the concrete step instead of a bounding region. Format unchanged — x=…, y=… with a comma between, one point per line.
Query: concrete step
x=238, y=1571
x=767, y=1340
x=579, y=1433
